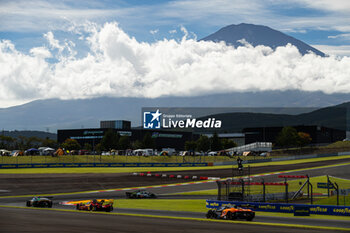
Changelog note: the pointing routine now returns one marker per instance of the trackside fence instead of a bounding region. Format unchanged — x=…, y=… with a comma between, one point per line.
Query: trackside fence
x=59, y=165
x=284, y=208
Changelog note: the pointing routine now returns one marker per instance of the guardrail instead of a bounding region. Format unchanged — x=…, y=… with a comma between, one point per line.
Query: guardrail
x=255, y=146
x=284, y=208
x=56, y=165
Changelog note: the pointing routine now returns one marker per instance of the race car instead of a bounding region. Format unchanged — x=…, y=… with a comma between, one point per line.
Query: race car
x=140, y=194
x=96, y=205
x=231, y=213
x=39, y=202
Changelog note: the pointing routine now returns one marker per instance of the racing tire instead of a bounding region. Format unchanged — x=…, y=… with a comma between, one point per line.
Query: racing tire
x=50, y=205
x=77, y=206
x=231, y=216
x=250, y=217
x=28, y=204
x=211, y=214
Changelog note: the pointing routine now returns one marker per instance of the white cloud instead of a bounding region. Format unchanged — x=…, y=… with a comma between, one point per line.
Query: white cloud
x=343, y=36
x=118, y=65
x=339, y=50
x=153, y=32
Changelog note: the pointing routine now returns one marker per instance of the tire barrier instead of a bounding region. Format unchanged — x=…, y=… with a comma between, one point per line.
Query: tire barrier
x=173, y=176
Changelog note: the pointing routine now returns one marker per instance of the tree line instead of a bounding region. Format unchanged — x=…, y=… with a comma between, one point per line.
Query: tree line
x=23, y=143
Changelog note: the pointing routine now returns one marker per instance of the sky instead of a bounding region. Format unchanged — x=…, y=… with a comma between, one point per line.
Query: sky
x=87, y=49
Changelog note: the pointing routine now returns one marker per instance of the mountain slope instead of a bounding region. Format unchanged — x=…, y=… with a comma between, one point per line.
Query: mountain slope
x=53, y=114
x=258, y=35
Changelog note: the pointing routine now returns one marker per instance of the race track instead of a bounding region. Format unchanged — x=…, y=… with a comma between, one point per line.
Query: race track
x=41, y=220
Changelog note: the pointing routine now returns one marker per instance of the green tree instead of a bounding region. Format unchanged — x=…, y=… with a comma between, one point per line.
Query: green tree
x=288, y=137
x=190, y=145
x=110, y=140
x=32, y=142
x=304, y=138
x=71, y=144
x=47, y=142
x=124, y=143
x=148, y=141
x=136, y=145
x=215, y=142
x=203, y=143
x=6, y=141
x=227, y=143
x=88, y=146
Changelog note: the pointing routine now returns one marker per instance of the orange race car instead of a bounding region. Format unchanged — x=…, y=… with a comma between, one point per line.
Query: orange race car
x=231, y=212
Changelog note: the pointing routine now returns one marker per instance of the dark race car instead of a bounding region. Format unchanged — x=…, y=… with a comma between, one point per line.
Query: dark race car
x=231, y=213
x=140, y=194
x=96, y=205
x=39, y=202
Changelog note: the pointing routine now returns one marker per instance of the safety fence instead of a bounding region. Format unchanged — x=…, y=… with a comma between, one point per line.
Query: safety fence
x=59, y=165
x=284, y=208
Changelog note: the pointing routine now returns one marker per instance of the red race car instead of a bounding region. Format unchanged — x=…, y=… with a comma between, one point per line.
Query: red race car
x=96, y=205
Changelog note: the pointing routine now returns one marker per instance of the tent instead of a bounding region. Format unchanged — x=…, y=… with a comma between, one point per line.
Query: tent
x=4, y=152
x=32, y=151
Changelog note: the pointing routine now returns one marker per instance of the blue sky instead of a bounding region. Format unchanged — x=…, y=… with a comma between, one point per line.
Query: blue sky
x=322, y=23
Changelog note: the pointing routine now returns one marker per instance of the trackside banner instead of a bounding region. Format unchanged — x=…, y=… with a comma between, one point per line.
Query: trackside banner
x=54, y=165
x=284, y=208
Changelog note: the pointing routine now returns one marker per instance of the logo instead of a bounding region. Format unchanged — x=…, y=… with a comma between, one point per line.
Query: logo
x=152, y=120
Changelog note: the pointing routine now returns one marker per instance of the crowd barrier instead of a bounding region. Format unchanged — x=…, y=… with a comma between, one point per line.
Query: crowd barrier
x=284, y=208
x=294, y=157
x=55, y=165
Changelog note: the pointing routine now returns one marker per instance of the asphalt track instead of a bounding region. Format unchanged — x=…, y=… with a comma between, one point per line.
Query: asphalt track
x=21, y=184
x=79, y=222
x=28, y=220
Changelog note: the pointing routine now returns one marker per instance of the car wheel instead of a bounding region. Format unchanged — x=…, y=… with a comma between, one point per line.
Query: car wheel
x=209, y=214
x=234, y=216
x=28, y=204
x=50, y=205
x=229, y=215
x=77, y=206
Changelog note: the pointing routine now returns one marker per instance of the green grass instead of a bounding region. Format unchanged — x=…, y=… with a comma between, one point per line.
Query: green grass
x=116, y=159
x=343, y=201
x=193, y=205
x=293, y=185
x=145, y=169
x=339, y=144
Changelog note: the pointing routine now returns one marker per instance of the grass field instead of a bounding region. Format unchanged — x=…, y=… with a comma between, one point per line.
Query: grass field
x=160, y=169
x=192, y=205
x=118, y=159
x=293, y=185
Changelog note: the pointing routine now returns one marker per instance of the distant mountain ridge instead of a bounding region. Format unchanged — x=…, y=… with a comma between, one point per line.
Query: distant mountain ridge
x=258, y=35
x=52, y=114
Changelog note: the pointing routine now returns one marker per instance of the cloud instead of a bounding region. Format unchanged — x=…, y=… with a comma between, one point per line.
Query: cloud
x=340, y=50
x=119, y=65
x=153, y=32
x=343, y=36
